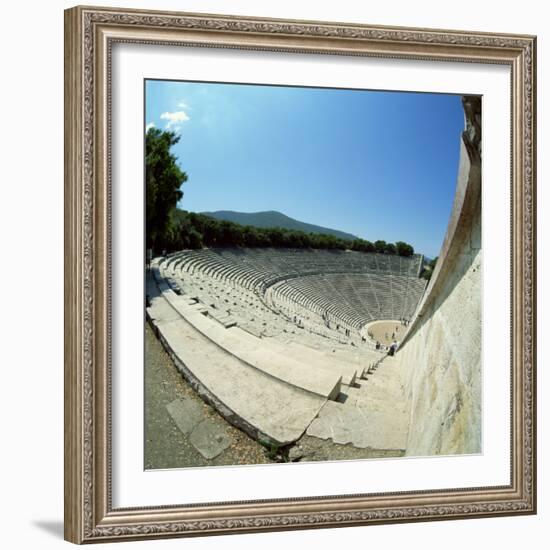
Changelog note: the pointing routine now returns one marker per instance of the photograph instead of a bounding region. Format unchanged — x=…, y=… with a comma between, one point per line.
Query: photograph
x=313, y=274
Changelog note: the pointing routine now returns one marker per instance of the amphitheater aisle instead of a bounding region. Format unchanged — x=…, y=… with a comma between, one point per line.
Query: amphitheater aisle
x=372, y=415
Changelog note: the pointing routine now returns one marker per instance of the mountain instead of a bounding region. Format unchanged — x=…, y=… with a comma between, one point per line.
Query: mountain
x=275, y=219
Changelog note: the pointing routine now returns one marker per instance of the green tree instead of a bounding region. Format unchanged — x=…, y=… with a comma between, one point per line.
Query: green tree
x=163, y=179
x=194, y=238
x=380, y=246
x=192, y=230
x=404, y=249
x=362, y=245
x=250, y=236
x=428, y=269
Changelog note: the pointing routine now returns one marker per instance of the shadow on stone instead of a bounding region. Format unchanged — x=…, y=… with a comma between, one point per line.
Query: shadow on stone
x=342, y=398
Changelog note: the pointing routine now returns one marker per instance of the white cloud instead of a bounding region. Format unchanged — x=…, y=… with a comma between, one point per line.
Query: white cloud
x=174, y=119
x=149, y=126
x=183, y=105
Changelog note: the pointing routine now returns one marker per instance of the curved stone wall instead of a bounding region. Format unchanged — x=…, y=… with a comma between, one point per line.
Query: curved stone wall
x=442, y=349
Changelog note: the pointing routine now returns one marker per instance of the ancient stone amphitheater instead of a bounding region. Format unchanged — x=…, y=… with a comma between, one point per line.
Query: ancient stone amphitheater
x=277, y=340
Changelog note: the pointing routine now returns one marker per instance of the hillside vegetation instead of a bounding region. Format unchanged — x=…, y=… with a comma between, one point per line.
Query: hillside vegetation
x=191, y=230
x=271, y=218
x=169, y=229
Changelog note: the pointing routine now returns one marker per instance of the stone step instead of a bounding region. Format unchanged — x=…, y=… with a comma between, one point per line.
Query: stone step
x=314, y=362
x=320, y=360
x=379, y=378
x=386, y=397
x=226, y=320
x=160, y=310
x=265, y=407
x=362, y=364
x=362, y=426
x=252, y=329
x=254, y=353
x=260, y=404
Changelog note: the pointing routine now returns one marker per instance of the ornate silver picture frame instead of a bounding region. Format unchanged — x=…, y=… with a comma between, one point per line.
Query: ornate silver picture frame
x=90, y=36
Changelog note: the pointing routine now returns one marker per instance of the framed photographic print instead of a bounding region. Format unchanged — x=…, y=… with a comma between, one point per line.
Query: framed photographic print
x=300, y=274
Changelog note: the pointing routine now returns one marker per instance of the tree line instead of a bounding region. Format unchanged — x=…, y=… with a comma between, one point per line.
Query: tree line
x=192, y=230
x=169, y=228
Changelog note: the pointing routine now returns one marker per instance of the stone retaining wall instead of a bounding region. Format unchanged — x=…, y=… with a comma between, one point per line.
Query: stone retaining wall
x=442, y=348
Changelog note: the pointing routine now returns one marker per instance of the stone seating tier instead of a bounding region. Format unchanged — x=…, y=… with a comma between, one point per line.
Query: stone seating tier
x=264, y=406
x=305, y=284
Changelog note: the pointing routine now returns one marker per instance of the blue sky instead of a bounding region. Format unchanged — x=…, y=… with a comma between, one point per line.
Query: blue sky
x=380, y=165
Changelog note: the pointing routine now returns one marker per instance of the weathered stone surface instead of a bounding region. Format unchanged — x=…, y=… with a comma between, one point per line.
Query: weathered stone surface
x=362, y=425
x=160, y=310
x=295, y=453
x=316, y=449
x=372, y=415
x=209, y=439
x=185, y=413
x=263, y=355
x=320, y=361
